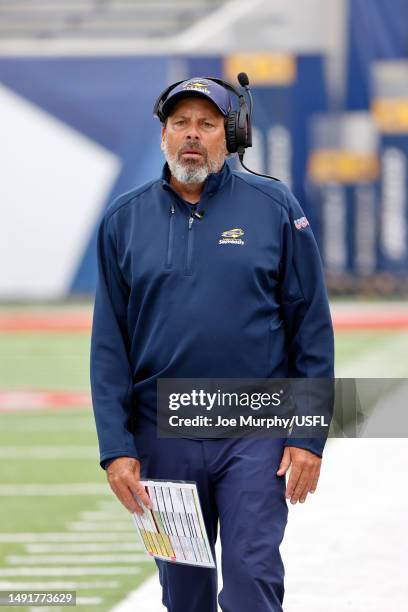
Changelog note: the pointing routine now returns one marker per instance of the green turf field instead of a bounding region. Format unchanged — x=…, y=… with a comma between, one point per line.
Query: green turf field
x=60, y=524
x=79, y=541
x=36, y=440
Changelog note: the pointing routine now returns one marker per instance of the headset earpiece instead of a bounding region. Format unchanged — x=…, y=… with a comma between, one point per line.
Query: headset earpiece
x=236, y=130
x=231, y=132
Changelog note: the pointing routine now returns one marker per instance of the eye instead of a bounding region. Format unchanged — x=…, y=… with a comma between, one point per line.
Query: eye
x=179, y=122
x=208, y=124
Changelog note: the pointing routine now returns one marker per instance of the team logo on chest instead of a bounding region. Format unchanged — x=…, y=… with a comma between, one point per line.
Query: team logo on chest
x=232, y=236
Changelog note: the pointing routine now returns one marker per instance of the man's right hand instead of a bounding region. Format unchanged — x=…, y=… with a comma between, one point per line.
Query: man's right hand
x=124, y=478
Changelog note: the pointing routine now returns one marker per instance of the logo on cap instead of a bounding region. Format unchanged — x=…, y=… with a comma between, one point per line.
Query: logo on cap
x=197, y=85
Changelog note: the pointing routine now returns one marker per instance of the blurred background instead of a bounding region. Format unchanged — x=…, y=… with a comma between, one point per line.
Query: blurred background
x=78, y=80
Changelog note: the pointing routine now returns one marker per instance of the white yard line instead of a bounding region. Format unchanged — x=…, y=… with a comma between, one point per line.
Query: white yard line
x=106, y=504
x=110, y=547
x=67, y=571
x=109, y=526
x=57, y=584
x=120, y=514
x=48, y=452
x=129, y=558
x=63, y=537
x=47, y=490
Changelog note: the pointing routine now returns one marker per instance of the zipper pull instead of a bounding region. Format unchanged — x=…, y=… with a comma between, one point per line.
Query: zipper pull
x=172, y=210
x=190, y=222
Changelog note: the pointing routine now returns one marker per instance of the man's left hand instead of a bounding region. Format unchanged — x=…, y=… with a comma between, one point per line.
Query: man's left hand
x=304, y=472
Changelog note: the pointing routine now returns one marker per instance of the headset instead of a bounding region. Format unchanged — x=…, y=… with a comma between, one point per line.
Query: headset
x=238, y=126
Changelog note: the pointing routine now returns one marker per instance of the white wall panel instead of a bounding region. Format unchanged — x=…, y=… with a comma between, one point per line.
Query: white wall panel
x=53, y=183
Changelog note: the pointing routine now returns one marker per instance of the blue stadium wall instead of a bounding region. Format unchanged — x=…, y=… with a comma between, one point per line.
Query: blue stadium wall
x=108, y=101
x=79, y=131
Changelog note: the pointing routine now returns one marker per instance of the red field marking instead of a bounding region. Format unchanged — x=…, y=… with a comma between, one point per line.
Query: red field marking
x=81, y=321
x=16, y=400
x=52, y=322
x=370, y=320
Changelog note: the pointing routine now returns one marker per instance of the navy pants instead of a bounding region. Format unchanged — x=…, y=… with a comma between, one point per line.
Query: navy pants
x=237, y=485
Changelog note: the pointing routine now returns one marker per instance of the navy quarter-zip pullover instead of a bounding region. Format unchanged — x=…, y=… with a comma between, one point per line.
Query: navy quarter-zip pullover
x=236, y=293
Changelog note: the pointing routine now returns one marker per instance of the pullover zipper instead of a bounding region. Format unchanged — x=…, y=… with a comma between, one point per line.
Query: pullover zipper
x=171, y=236
x=190, y=238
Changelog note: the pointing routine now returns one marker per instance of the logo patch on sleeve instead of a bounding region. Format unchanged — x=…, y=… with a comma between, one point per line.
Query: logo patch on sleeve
x=301, y=222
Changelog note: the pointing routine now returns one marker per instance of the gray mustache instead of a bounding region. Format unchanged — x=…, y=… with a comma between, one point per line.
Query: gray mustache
x=193, y=148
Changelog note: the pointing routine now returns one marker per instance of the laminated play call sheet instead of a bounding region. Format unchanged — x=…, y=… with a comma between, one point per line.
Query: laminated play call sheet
x=174, y=529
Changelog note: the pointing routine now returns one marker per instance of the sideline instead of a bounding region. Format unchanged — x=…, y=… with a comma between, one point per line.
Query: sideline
x=341, y=543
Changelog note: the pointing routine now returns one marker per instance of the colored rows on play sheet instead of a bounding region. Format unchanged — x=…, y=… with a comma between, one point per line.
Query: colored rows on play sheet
x=174, y=528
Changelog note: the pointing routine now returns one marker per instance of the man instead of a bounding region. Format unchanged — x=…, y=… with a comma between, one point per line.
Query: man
x=177, y=297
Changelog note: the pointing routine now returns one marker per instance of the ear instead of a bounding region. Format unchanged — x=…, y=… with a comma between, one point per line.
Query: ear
x=163, y=136
x=226, y=152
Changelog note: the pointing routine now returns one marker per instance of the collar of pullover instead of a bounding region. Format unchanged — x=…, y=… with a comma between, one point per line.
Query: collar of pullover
x=214, y=182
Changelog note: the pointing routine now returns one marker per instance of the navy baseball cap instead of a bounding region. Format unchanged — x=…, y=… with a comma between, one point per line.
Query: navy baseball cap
x=199, y=86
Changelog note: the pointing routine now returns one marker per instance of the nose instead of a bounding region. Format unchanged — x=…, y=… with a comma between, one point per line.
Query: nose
x=192, y=132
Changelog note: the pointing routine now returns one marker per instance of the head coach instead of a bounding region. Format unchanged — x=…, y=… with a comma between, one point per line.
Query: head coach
x=208, y=272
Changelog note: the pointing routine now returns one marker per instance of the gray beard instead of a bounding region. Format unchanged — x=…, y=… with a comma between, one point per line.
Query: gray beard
x=186, y=174
x=189, y=173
